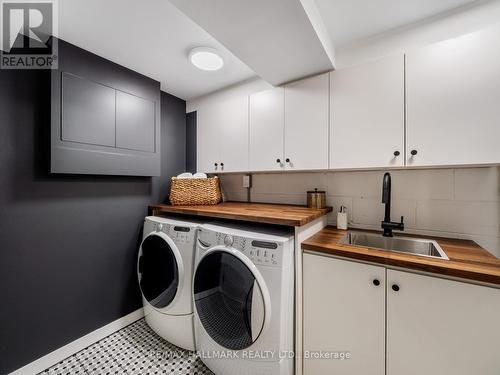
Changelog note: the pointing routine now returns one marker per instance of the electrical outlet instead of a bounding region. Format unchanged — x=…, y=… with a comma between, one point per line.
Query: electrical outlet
x=247, y=181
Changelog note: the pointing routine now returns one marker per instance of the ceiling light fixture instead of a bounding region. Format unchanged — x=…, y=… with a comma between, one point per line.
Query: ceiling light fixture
x=206, y=58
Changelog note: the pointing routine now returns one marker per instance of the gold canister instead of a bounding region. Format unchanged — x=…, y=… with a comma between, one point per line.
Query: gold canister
x=316, y=199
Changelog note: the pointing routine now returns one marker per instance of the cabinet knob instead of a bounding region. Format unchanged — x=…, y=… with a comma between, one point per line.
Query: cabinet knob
x=376, y=282
x=397, y=153
x=395, y=287
x=215, y=164
x=287, y=160
x=221, y=164
x=278, y=161
x=413, y=152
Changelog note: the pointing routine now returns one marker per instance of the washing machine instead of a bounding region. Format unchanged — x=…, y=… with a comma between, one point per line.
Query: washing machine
x=165, y=271
x=243, y=289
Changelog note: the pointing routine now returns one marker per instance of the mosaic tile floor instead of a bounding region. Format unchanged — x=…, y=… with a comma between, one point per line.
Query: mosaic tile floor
x=134, y=350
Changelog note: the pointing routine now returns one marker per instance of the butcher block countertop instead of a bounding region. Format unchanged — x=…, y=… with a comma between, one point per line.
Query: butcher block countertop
x=280, y=214
x=467, y=259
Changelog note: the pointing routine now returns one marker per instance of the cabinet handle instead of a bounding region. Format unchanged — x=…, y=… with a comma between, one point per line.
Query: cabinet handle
x=395, y=287
x=376, y=282
x=287, y=160
x=397, y=153
x=215, y=164
x=413, y=152
x=278, y=161
x=222, y=164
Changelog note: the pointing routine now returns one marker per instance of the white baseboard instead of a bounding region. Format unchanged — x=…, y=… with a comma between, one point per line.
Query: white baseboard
x=74, y=347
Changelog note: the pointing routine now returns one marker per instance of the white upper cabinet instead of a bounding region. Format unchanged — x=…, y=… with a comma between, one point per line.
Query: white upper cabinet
x=306, y=123
x=453, y=96
x=344, y=310
x=208, y=135
x=437, y=326
x=267, y=124
x=222, y=136
x=367, y=115
x=233, y=141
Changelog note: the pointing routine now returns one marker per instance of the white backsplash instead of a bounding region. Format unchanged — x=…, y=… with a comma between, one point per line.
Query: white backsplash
x=461, y=203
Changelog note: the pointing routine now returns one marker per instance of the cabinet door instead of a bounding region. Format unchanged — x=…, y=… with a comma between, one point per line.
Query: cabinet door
x=343, y=311
x=87, y=112
x=367, y=115
x=306, y=123
x=208, y=138
x=135, y=122
x=437, y=326
x=267, y=121
x=453, y=95
x=233, y=136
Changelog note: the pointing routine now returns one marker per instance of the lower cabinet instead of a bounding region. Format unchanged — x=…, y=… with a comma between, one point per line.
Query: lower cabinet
x=344, y=311
x=408, y=324
x=441, y=327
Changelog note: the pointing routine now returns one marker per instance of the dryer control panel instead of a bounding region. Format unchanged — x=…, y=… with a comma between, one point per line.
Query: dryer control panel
x=179, y=234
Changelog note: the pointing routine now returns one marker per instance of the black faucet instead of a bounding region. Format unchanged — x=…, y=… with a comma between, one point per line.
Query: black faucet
x=387, y=224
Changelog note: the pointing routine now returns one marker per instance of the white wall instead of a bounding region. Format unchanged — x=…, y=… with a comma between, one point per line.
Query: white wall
x=478, y=15
x=457, y=203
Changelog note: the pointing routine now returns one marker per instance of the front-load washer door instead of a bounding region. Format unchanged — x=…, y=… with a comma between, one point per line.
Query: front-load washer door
x=160, y=270
x=232, y=302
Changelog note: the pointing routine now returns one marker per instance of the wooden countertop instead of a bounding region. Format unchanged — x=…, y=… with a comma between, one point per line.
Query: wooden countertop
x=280, y=214
x=467, y=259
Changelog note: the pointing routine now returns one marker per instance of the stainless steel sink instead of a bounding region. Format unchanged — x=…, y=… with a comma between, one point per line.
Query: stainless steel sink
x=409, y=245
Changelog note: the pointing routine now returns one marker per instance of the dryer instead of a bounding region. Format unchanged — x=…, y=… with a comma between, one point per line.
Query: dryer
x=165, y=271
x=243, y=289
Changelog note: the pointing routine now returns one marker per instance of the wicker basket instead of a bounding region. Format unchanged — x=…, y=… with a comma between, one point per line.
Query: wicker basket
x=195, y=191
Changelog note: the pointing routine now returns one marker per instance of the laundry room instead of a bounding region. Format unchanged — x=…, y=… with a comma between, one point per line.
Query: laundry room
x=281, y=187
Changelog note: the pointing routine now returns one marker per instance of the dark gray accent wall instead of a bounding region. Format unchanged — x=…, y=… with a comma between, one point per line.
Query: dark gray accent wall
x=68, y=244
x=191, y=142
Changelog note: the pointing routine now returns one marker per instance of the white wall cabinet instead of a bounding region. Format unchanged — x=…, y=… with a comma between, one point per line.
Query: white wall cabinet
x=453, y=96
x=222, y=136
x=437, y=326
x=343, y=311
x=208, y=155
x=409, y=324
x=355, y=117
x=306, y=123
x=267, y=126
x=367, y=115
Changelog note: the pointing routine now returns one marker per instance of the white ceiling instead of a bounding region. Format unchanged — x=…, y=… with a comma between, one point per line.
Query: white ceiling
x=151, y=37
x=273, y=37
x=348, y=21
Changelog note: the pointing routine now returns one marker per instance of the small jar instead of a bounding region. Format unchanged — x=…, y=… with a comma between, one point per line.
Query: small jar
x=316, y=199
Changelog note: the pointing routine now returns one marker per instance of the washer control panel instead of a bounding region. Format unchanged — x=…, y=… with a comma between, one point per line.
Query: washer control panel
x=260, y=252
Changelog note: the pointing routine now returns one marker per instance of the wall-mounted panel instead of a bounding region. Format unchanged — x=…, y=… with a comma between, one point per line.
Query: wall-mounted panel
x=135, y=122
x=88, y=112
x=105, y=118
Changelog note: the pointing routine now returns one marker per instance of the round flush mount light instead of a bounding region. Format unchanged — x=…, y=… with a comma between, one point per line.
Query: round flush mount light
x=206, y=58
